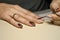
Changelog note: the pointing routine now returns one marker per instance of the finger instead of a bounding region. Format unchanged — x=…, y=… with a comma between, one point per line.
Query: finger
x=55, y=7
x=58, y=14
x=57, y=23
x=54, y=17
x=13, y=22
x=24, y=21
x=20, y=9
x=30, y=18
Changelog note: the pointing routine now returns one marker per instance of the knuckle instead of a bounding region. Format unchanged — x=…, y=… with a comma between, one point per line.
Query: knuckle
x=7, y=9
x=3, y=15
x=9, y=20
x=10, y=9
x=4, y=18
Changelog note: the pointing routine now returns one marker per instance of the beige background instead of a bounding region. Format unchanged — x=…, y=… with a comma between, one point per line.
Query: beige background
x=40, y=32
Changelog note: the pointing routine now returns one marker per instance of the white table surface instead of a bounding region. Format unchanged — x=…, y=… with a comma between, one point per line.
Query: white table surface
x=43, y=31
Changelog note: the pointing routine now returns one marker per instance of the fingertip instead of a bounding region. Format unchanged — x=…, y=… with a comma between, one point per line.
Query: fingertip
x=50, y=15
x=32, y=23
x=20, y=26
x=58, y=13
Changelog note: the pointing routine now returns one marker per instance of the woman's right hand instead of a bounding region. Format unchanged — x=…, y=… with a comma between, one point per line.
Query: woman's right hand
x=55, y=7
x=16, y=15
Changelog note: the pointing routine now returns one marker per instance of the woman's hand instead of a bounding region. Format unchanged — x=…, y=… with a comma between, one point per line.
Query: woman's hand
x=17, y=16
x=55, y=7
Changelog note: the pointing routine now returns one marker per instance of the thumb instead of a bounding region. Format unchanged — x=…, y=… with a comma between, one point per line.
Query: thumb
x=54, y=7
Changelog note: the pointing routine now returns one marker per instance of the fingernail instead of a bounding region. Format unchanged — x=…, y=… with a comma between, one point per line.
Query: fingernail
x=40, y=18
x=33, y=24
x=20, y=25
x=58, y=13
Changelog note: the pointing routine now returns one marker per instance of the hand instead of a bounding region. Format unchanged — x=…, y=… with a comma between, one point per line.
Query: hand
x=16, y=15
x=55, y=7
x=55, y=18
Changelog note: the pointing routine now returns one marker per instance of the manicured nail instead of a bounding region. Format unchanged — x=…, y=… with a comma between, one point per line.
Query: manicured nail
x=20, y=25
x=33, y=24
x=40, y=18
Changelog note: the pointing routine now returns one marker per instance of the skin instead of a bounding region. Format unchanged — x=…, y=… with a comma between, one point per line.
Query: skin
x=24, y=16
x=55, y=8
